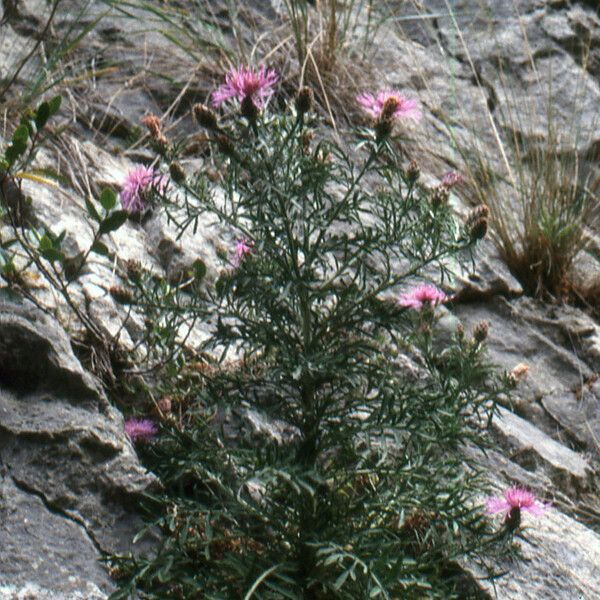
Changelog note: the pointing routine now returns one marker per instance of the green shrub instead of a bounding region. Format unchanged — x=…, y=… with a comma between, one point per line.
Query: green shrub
x=365, y=491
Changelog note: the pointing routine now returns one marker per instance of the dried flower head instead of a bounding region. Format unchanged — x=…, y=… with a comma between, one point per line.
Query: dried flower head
x=140, y=430
x=255, y=85
x=512, y=503
x=137, y=187
x=389, y=104
x=422, y=295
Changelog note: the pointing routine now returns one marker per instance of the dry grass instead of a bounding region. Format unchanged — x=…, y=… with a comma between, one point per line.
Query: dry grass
x=534, y=171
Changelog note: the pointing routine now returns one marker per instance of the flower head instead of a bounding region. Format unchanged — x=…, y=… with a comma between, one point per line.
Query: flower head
x=422, y=295
x=143, y=430
x=389, y=104
x=139, y=182
x=452, y=178
x=242, y=249
x=248, y=84
x=513, y=501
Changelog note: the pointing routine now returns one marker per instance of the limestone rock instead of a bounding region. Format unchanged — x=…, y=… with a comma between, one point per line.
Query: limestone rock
x=69, y=478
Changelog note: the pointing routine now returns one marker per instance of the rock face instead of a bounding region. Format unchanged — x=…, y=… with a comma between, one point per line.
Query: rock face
x=69, y=480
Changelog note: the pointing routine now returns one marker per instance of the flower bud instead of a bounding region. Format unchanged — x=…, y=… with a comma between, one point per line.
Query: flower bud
x=205, y=116
x=121, y=294
x=478, y=213
x=177, y=173
x=477, y=222
x=413, y=172
x=225, y=145
x=478, y=229
x=481, y=331
x=304, y=100
x=440, y=196
x=518, y=374
x=152, y=124
x=134, y=270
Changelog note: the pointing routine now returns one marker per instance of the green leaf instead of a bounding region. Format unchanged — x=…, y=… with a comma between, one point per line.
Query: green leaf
x=42, y=115
x=52, y=254
x=92, y=210
x=45, y=243
x=341, y=580
x=108, y=199
x=21, y=133
x=100, y=248
x=113, y=222
x=54, y=105
x=15, y=150
x=199, y=270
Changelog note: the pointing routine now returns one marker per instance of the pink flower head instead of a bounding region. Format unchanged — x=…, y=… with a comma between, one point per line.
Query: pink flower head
x=245, y=82
x=242, y=249
x=143, y=430
x=452, y=178
x=138, y=184
x=396, y=105
x=422, y=295
x=514, y=501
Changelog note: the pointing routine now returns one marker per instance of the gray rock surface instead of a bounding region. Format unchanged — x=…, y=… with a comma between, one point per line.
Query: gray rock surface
x=69, y=479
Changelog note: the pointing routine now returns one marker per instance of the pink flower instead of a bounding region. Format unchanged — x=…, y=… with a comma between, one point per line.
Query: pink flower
x=396, y=105
x=452, y=178
x=244, y=83
x=138, y=184
x=242, y=249
x=143, y=430
x=424, y=294
x=514, y=501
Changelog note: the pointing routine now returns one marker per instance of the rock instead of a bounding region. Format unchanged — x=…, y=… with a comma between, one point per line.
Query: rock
x=43, y=546
x=528, y=446
x=554, y=342
x=69, y=479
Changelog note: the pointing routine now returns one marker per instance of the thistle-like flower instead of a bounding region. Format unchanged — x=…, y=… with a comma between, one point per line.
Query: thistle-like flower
x=136, y=188
x=247, y=84
x=512, y=503
x=242, y=249
x=140, y=430
x=389, y=104
x=452, y=178
x=422, y=295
